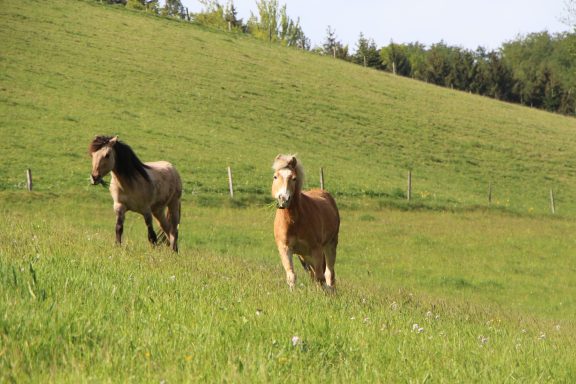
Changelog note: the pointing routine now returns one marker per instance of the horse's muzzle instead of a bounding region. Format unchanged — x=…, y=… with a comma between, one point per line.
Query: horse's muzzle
x=282, y=203
x=95, y=180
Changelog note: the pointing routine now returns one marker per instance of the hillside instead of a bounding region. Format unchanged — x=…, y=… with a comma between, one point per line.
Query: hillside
x=449, y=292
x=205, y=100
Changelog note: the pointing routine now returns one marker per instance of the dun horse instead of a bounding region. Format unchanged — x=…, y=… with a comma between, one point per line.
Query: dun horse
x=306, y=223
x=146, y=188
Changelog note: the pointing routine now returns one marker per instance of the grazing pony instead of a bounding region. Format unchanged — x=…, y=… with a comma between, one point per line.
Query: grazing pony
x=306, y=223
x=146, y=188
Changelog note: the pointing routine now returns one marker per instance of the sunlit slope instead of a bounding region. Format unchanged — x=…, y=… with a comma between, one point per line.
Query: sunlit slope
x=205, y=99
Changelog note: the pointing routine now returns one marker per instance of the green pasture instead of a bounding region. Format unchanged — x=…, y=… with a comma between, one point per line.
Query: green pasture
x=445, y=288
x=206, y=100
x=422, y=296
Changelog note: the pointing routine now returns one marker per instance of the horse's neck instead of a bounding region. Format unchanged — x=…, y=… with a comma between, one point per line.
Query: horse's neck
x=124, y=184
x=293, y=213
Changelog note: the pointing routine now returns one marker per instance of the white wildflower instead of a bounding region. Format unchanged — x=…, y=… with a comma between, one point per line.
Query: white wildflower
x=416, y=328
x=296, y=341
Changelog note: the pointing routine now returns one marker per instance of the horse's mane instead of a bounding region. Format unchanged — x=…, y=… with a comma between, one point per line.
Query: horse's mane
x=287, y=161
x=128, y=165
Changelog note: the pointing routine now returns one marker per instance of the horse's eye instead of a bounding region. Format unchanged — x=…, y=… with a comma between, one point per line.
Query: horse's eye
x=107, y=156
x=294, y=178
x=275, y=177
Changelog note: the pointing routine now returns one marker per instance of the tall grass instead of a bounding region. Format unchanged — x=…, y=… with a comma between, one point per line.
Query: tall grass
x=421, y=296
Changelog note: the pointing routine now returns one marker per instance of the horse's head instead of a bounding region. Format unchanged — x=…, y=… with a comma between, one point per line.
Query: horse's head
x=103, y=157
x=287, y=182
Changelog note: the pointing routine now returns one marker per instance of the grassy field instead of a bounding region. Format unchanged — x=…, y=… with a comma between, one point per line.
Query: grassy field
x=442, y=289
x=422, y=297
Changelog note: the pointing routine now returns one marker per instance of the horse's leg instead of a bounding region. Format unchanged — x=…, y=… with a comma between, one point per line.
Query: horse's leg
x=120, y=215
x=161, y=217
x=286, y=258
x=151, y=234
x=330, y=255
x=318, y=265
x=306, y=266
x=173, y=218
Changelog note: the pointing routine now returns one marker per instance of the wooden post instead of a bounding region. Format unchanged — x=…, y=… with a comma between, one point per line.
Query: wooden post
x=365, y=64
x=334, y=49
x=552, y=205
x=29, y=179
x=393, y=67
x=409, y=192
x=490, y=192
x=321, y=178
x=230, y=184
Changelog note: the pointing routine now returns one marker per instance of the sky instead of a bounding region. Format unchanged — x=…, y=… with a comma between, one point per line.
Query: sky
x=467, y=24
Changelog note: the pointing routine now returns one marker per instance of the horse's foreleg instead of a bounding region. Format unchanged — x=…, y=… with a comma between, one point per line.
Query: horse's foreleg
x=286, y=258
x=120, y=215
x=151, y=234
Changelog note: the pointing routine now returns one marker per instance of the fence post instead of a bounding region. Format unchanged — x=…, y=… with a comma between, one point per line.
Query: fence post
x=321, y=178
x=29, y=179
x=552, y=205
x=409, y=192
x=490, y=192
x=230, y=184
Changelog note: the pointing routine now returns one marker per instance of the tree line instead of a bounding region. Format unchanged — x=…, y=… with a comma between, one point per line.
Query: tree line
x=537, y=70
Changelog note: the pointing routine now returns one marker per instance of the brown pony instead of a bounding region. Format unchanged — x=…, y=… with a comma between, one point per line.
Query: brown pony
x=146, y=188
x=306, y=223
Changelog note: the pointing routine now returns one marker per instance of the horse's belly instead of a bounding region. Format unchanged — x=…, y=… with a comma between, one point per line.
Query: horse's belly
x=301, y=248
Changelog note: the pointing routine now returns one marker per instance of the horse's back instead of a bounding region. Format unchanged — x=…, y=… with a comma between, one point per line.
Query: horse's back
x=320, y=196
x=166, y=179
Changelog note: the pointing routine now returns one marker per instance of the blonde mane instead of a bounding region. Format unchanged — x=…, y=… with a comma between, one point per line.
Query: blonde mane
x=288, y=161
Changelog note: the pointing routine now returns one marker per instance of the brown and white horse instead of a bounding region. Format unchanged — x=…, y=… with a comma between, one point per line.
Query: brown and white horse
x=146, y=188
x=306, y=223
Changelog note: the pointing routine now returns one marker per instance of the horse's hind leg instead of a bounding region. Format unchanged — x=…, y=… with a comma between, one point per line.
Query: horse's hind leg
x=318, y=266
x=120, y=215
x=173, y=218
x=330, y=256
x=161, y=217
x=151, y=234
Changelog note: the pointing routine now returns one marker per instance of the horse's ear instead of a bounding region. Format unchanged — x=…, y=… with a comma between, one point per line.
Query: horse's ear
x=113, y=140
x=292, y=162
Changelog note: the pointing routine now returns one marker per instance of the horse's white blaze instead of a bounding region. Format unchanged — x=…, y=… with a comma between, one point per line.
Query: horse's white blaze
x=284, y=193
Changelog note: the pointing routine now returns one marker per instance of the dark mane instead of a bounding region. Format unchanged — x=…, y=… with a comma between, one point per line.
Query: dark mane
x=127, y=165
x=98, y=143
